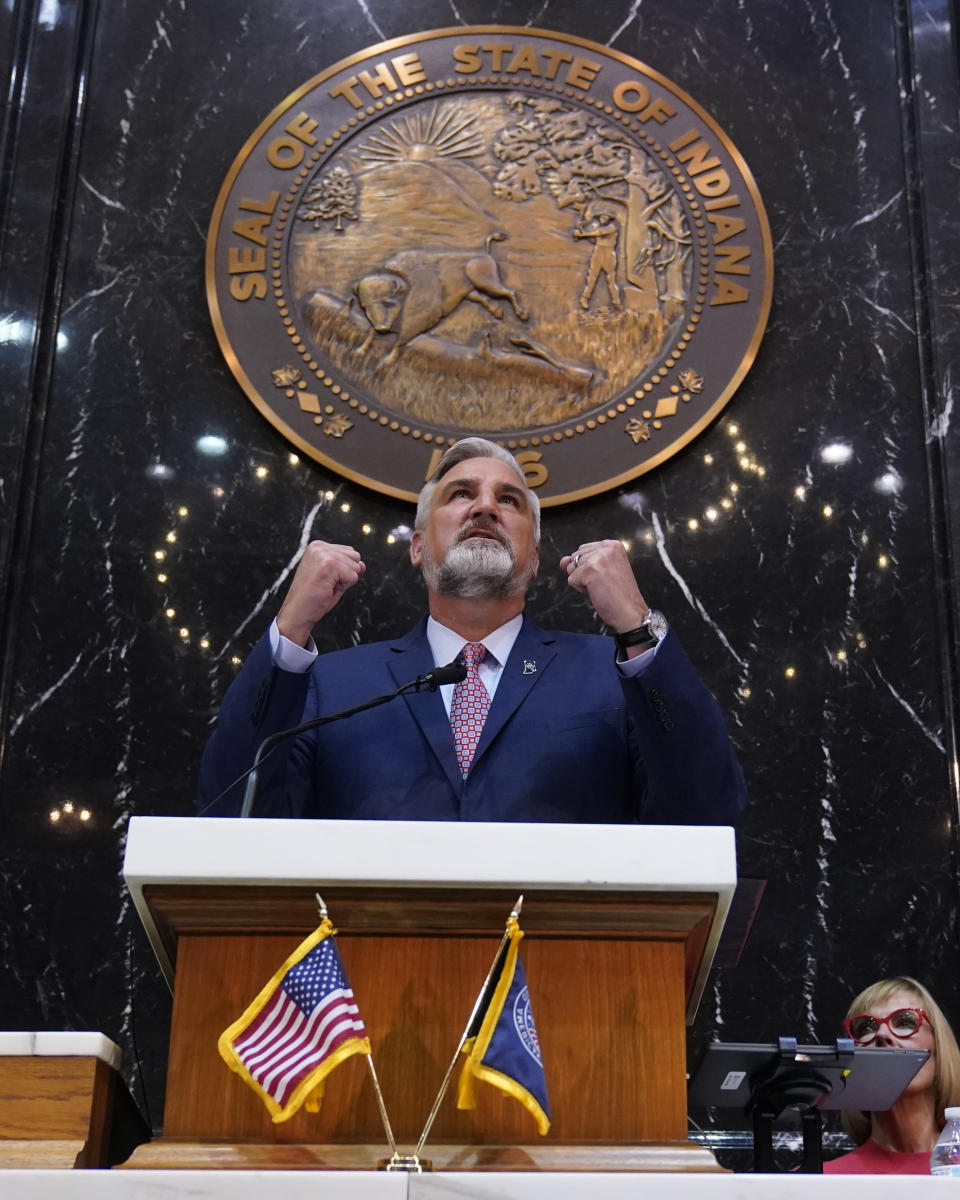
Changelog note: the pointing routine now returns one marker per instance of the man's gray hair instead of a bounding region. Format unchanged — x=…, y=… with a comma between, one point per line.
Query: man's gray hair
x=474, y=447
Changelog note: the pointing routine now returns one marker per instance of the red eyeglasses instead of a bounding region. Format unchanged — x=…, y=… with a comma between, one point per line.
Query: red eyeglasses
x=903, y=1023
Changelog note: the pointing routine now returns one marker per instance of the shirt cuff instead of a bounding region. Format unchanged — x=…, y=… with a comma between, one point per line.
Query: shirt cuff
x=288, y=656
x=630, y=668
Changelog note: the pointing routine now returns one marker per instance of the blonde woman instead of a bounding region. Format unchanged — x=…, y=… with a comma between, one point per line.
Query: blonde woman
x=901, y=1013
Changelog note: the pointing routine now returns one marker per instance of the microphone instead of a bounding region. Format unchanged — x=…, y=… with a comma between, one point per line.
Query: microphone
x=453, y=672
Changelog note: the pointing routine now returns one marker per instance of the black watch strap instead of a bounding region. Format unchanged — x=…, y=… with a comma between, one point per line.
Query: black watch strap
x=635, y=637
x=649, y=633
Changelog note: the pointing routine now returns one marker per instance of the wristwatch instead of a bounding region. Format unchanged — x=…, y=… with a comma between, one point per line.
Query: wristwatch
x=652, y=629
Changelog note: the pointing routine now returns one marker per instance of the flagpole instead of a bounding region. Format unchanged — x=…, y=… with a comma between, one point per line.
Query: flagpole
x=515, y=914
x=369, y=1057
x=383, y=1108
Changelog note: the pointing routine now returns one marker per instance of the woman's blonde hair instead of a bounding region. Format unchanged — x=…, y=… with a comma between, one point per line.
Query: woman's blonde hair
x=946, y=1086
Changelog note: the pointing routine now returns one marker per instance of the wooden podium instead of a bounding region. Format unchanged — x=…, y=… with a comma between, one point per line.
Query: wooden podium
x=621, y=924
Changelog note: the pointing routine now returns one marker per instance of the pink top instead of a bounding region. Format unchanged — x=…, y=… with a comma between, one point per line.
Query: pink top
x=871, y=1159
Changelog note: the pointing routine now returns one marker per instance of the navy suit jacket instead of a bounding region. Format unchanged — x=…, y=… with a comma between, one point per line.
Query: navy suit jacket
x=567, y=739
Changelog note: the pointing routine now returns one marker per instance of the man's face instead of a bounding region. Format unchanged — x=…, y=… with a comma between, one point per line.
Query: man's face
x=478, y=540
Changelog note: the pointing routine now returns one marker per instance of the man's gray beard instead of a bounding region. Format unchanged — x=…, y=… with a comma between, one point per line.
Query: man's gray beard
x=475, y=569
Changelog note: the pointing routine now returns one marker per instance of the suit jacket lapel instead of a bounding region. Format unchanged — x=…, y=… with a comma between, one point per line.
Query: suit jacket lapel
x=408, y=658
x=532, y=652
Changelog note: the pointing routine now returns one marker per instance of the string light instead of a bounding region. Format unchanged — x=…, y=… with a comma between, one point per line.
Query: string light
x=790, y=672
x=746, y=462
x=344, y=508
x=171, y=537
x=883, y=561
x=68, y=810
x=827, y=511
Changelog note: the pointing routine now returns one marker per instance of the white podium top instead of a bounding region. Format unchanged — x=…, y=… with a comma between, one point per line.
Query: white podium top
x=526, y=857
x=66, y=1043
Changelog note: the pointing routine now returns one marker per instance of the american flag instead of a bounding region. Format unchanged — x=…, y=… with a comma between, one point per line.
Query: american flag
x=303, y=1024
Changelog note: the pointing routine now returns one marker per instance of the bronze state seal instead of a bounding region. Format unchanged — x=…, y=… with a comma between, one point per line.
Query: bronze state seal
x=490, y=230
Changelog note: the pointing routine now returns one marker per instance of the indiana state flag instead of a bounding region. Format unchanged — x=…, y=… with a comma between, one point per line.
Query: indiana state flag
x=304, y=1023
x=502, y=1044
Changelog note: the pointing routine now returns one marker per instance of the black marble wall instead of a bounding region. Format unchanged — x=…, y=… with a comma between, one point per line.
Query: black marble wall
x=820, y=607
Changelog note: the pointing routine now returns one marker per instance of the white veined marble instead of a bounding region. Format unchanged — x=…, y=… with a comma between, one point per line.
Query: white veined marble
x=357, y=1185
x=68, y=1043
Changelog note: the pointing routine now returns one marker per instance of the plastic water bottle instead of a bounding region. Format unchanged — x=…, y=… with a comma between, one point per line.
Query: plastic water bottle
x=945, y=1156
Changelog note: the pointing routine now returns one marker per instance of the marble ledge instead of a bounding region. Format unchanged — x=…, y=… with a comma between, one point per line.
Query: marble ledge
x=265, y=852
x=355, y=1185
x=65, y=1044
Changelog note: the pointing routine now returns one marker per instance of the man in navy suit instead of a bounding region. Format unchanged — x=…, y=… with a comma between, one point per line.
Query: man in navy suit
x=568, y=727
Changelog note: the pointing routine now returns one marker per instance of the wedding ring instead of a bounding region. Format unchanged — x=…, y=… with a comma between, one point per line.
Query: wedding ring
x=576, y=559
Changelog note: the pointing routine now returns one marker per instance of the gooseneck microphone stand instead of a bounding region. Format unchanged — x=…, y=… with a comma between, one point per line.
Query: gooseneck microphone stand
x=453, y=672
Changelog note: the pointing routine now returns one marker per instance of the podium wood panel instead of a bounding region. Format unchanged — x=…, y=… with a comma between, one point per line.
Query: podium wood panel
x=608, y=975
x=54, y=1111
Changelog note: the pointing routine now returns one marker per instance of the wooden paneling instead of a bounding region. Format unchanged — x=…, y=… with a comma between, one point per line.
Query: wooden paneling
x=609, y=1014
x=168, y=1154
x=59, y=1106
x=609, y=975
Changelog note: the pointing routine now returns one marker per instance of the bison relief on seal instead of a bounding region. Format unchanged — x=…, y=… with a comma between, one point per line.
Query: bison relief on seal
x=414, y=290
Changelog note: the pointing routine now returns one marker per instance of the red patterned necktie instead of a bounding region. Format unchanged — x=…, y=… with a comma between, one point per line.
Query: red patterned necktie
x=468, y=711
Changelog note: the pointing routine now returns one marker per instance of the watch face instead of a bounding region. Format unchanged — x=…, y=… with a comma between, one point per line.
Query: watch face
x=656, y=622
